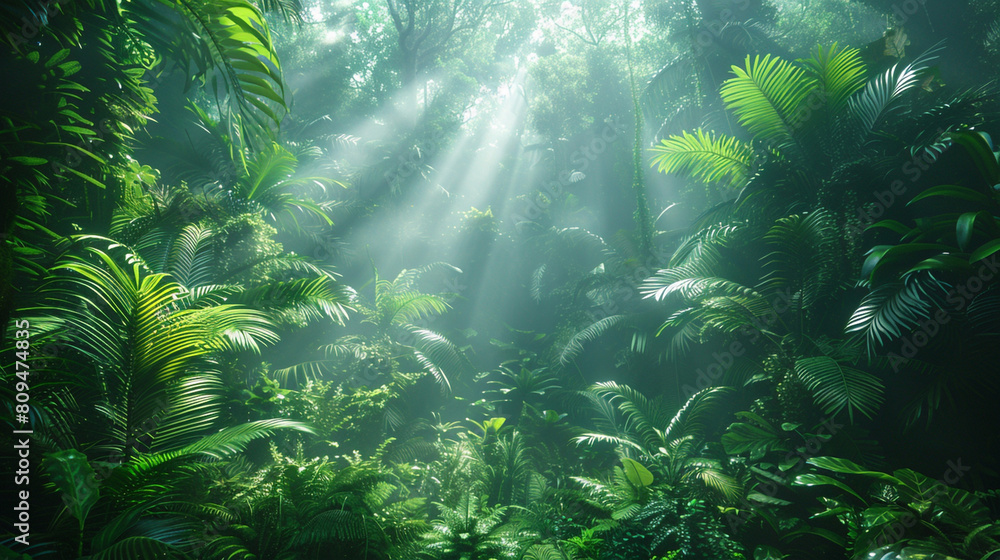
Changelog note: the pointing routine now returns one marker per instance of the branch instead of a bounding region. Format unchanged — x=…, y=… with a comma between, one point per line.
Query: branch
x=577, y=35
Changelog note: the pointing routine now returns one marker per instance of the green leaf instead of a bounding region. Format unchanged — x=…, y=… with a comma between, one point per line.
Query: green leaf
x=705, y=156
x=989, y=248
x=812, y=479
x=965, y=227
x=768, y=96
x=70, y=68
x=756, y=437
x=78, y=130
x=982, y=154
x=847, y=466
x=836, y=386
x=952, y=191
x=636, y=473
x=893, y=225
x=74, y=478
x=839, y=74
x=940, y=262
x=765, y=499
x=57, y=58
x=883, y=94
x=891, y=309
x=884, y=255
x=28, y=160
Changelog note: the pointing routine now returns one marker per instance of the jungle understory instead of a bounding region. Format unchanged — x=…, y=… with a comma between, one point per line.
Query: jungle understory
x=500, y=279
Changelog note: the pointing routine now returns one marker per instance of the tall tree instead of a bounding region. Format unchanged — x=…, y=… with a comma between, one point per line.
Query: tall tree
x=427, y=28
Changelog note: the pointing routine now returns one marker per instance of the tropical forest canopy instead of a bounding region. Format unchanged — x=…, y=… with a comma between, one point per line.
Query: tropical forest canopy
x=500, y=279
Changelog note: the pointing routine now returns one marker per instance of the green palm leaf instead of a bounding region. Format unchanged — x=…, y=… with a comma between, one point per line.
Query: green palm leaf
x=189, y=258
x=300, y=301
x=835, y=386
x=691, y=419
x=642, y=416
x=131, y=548
x=574, y=346
x=768, y=96
x=129, y=322
x=803, y=257
x=839, y=74
x=270, y=179
x=881, y=96
x=705, y=156
x=409, y=307
x=436, y=354
x=697, y=288
x=892, y=310
x=227, y=39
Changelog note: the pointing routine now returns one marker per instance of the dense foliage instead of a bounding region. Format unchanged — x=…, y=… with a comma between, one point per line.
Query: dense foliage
x=486, y=279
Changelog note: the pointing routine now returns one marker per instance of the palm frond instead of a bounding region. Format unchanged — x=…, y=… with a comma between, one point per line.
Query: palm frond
x=705, y=156
x=892, y=310
x=543, y=552
x=535, y=288
x=803, y=257
x=595, y=330
x=131, y=323
x=694, y=289
x=299, y=301
x=228, y=41
x=691, y=419
x=130, y=548
x=881, y=97
x=643, y=416
x=302, y=372
x=336, y=526
x=836, y=386
x=437, y=354
x=189, y=258
x=710, y=473
x=767, y=97
x=839, y=73
x=221, y=444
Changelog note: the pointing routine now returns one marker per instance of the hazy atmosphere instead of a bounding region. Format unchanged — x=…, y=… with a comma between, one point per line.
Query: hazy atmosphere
x=500, y=279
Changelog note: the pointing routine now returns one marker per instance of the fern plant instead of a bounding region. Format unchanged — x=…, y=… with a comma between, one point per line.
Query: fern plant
x=308, y=508
x=472, y=531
